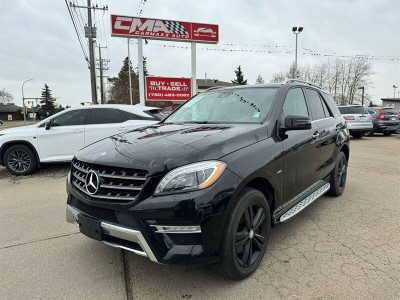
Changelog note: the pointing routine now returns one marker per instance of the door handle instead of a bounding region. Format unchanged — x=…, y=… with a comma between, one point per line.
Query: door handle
x=78, y=131
x=315, y=135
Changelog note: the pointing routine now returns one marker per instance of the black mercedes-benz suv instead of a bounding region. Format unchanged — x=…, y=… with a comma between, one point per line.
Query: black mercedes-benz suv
x=207, y=183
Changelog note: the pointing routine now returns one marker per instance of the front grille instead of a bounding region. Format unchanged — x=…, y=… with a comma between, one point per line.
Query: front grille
x=116, y=184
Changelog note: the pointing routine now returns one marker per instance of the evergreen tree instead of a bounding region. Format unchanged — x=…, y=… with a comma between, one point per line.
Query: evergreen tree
x=47, y=106
x=259, y=79
x=239, y=77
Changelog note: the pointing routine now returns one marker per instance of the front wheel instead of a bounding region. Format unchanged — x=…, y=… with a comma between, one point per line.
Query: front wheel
x=339, y=176
x=246, y=236
x=20, y=160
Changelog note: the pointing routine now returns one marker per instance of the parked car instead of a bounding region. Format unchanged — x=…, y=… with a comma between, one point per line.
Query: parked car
x=205, y=185
x=386, y=120
x=57, y=138
x=359, y=121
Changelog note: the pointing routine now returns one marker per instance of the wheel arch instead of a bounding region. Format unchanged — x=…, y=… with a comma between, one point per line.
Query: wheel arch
x=7, y=145
x=263, y=185
x=346, y=150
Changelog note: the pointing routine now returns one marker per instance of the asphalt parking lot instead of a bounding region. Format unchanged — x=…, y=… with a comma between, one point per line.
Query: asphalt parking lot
x=339, y=248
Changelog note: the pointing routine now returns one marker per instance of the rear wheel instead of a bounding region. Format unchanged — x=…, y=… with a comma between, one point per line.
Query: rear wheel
x=339, y=176
x=246, y=236
x=357, y=135
x=387, y=133
x=20, y=160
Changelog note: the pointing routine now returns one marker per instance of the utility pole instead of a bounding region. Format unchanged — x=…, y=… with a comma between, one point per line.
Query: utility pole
x=91, y=55
x=90, y=33
x=102, y=69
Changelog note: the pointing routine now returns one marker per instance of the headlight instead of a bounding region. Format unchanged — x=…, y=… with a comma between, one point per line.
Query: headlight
x=191, y=177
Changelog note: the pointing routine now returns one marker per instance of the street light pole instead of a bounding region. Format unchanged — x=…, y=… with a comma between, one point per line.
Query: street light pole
x=394, y=92
x=296, y=31
x=23, y=98
x=362, y=95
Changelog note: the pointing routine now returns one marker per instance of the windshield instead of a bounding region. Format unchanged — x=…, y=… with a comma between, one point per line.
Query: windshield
x=345, y=110
x=226, y=106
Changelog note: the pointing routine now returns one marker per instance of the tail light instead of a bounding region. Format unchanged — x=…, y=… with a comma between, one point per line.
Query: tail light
x=348, y=118
x=381, y=114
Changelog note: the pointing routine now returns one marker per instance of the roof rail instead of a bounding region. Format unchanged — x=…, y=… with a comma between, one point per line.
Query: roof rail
x=290, y=80
x=213, y=88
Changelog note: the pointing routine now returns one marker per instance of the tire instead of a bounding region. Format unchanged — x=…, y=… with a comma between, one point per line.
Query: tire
x=238, y=242
x=357, y=135
x=387, y=133
x=338, y=176
x=371, y=133
x=20, y=160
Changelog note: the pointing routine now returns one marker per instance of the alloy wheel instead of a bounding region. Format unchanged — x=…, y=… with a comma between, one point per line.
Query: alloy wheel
x=19, y=160
x=251, y=235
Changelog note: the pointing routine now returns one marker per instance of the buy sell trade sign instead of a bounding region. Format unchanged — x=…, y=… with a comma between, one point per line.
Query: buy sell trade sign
x=167, y=89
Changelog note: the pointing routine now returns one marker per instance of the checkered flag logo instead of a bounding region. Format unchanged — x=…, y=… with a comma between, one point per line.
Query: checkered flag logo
x=175, y=27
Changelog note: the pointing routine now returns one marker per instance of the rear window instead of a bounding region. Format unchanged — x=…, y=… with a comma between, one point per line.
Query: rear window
x=346, y=110
x=390, y=111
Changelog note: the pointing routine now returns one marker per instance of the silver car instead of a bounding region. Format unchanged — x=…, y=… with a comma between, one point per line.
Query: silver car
x=359, y=121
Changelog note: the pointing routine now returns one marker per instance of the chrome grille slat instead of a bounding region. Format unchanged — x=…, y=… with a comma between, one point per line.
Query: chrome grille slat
x=116, y=184
x=120, y=187
x=79, y=177
x=79, y=168
x=121, y=177
x=103, y=197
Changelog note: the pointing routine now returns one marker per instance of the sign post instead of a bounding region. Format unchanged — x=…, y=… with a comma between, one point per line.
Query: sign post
x=158, y=29
x=141, y=72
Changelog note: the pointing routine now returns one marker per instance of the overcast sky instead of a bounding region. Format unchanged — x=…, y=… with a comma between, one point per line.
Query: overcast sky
x=37, y=40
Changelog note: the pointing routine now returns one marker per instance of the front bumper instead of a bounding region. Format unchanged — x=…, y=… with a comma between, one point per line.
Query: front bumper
x=182, y=228
x=135, y=240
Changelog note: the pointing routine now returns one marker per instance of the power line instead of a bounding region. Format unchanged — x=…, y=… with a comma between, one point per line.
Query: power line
x=76, y=31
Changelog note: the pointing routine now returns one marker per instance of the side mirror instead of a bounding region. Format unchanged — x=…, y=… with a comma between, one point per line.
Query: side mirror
x=297, y=122
x=48, y=125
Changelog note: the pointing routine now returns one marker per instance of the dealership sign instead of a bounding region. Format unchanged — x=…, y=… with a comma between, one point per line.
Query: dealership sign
x=167, y=89
x=138, y=27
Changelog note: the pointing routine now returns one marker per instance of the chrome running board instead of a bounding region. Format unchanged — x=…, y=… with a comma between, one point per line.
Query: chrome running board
x=304, y=203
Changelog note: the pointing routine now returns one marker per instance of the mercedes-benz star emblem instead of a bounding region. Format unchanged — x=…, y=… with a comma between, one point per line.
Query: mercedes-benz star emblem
x=92, y=182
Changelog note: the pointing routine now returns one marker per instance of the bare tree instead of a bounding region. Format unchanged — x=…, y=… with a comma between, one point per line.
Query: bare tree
x=259, y=79
x=5, y=97
x=341, y=77
x=278, y=77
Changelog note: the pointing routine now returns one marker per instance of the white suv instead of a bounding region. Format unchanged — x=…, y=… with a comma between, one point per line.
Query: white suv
x=57, y=138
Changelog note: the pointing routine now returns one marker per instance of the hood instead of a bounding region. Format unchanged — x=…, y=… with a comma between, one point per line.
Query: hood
x=162, y=147
x=16, y=129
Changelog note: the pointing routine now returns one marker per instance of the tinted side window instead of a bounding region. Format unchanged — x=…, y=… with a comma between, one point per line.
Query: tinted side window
x=331, y=103
x=295, y=103
x=106, y=116
x=70, y=118
x=316, y=106
x=131, y=116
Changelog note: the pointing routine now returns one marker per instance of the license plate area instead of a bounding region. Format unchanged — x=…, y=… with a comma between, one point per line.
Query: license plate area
x=90, y=227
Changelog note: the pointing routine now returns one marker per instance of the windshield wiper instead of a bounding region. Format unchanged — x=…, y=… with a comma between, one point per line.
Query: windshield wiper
x=199, y=122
